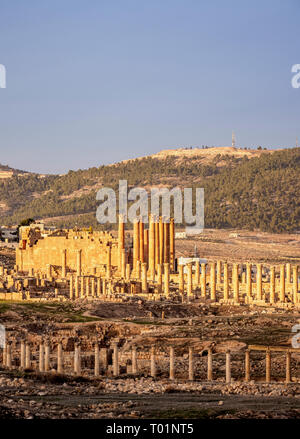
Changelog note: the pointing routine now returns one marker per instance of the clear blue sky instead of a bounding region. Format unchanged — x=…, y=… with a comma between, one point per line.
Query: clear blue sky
x=97, y=81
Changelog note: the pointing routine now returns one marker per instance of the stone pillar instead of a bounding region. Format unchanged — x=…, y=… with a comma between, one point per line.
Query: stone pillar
x=87, y=286
x=172, y=245
x=8, y=355
x=181, y=278
x=76, y=287
x=4, y=355
x=71, y=288
x=288, y=273
x=235, y=282
x=152, y=363
x=60, y=361
x=48, y=268
x=272, y=284
x=228, y=367
x=138, y=270
x=191, y=364
x=108, y=262
x=136, y=246
x=248, y=280
x=166, y=242
x=97, y=360
x=156, y=226
x=146, y=244
x=121, y=240
x=78, y=263
x=282, y=284
x=197, y=273
x=134, y=360
x=189, y=279
x=77, y=359
x=144, y=278
x=247, y=365
x=141, y=233
x=268, y=366
x=258, y=282
x=81, y=287
x=151, y=247
x=41, y=358
x=63, y=263
x=93, y=291
x=161, y=241
x=203, y=280
x=209, y=365
x=22, y=362
x=123, y=263
x=27, y=356
x=225, y=280
x=172, y=361
x=47, y=356
x=166, y=279
x=98, y=286
x=159, y=277
x=219, y=272
x=213, y=281
x=127, y=273
x=288, y=367
x=115, y=359
x=295, y=284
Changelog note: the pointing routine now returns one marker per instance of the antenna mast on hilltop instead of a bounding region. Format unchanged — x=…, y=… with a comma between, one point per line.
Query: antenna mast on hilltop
x=233, y=140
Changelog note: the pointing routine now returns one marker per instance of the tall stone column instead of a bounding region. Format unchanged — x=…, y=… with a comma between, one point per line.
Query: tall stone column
x=99, y=286
x=219, y=272
x=97, y=361
x=181, y=278
x=108, y=262
x=71, y=288
x=268, y=366
x=136, y=245
x=121, y=239
x=93, y=291
x=272, y=284
x=159, y=277
x=161, y=240
x=152, y=363
x=191, y=364
x=60, y=361
x=295, y=284
x=27, y=356
x=197, y=273
x=248, y=280
x=151, y=247
x=225, y=280
x=166, y=241
x=247, y=365
x=77, y=359
x=282, y=284
x=209, y=365
x=166, y=279
x=203, y=280
x=123, y=263
x=189, y=279
x=144, y=278
x=41, y=358
x=288, y=367
x=81, y=287
x=63, y=263
x=134, y=360
x=104, y=287
x=228, y=367
x=258, y=282
x=138, y=269
x=172, y=363
x=78, y=263
x=115, y=359
x=288, y=273
x=87, y=286
x=127, y=273
x=172, y=245
x=213, y=281
x=22, y=362
x=141, y=233
x=146, y=245
x=235, y=282
x=76, y=287
x=47, y=356
x=157, y=260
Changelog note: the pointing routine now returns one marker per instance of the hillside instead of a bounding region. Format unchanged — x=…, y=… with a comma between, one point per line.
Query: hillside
x=251, y=189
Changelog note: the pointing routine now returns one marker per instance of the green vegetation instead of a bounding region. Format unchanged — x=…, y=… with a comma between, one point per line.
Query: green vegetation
x=260, y=193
